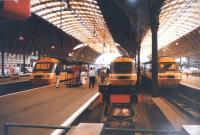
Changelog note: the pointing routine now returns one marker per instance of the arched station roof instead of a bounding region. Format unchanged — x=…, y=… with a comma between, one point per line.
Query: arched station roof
x=81, y=19
x=187, y=45
x=57, y=26
x=34, y=35
x=179, y=22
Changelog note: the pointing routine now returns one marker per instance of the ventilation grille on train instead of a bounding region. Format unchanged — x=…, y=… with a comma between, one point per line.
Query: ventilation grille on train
x=38, y=76
x=170, y=76
x=123, y=77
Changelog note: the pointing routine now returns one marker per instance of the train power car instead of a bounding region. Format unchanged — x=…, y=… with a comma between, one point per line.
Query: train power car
x=122, y=71
x=44, y=71
x=168, y=72
x=119, y=97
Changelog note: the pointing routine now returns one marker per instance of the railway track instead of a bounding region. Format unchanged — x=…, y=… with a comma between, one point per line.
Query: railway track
x=15, y=87
x=187, y=103
x=149, y=121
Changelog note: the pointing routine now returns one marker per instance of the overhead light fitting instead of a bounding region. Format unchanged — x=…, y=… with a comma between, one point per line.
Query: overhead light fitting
x=66, y=4
x=52, y=47
x=70, y=54
x=21, y=38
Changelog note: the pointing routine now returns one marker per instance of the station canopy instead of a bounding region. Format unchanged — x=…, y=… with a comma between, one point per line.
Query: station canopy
x=84, y=29
x=179, y=29
x=81, y=19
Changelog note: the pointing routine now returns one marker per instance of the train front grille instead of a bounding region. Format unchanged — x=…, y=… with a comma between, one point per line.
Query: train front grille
x=123, y=77
x=38, y=76
x=171, y=76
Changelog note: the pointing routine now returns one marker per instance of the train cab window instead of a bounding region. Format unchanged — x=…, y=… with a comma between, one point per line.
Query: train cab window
x=172, y=66
x=43, y=67
x=122, y=67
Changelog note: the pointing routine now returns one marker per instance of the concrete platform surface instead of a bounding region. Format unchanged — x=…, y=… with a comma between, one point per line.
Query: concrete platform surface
x=191, y=130
x=46, y=106
x=9, y=80
x=87, y=129
x=173, y=116
x=191, y=81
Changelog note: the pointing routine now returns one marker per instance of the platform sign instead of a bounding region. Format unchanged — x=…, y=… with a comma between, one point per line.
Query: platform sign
x=15, y=9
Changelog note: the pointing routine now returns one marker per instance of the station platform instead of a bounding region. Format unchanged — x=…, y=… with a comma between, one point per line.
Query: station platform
x=173, y=115
x=10, y=80
x=178, y=120
x=191, y=81
x=87, y=129
x=46, y=105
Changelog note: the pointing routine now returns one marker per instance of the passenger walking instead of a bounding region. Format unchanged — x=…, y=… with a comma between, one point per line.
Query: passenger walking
x=102, y=75
x=107, y=72
x=187, y=74
x=57, y=71
x=92, y=77
x=83, y=78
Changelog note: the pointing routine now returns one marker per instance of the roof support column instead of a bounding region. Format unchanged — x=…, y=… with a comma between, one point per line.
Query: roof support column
x=24, y=62
x=2, y=60
x=180, y=63
x=188, y=62
x=39, y=55
x=138, y=60
x=154, y=30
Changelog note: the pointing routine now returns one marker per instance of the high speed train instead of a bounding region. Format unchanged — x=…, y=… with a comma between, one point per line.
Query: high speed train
x=168, y=72
x=44, y=71
x=122, y=71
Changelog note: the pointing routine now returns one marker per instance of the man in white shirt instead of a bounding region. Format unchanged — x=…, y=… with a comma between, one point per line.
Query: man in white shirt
x=83, y=78
x=92, y=76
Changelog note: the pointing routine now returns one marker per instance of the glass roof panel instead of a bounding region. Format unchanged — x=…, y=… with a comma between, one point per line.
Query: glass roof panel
x=177, y=18
x=80, y=19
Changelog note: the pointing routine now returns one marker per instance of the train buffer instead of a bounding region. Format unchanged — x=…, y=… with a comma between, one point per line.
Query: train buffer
x=118, y=105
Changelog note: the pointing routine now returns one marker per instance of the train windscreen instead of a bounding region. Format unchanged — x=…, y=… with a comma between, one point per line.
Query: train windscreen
x=167, y=66
x=122, y=67
x=43, y=67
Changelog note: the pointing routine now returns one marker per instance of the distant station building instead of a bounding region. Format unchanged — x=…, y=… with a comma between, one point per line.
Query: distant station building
x=14, y=63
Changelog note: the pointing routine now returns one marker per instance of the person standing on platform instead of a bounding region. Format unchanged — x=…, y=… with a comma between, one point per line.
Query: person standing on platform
x=57, y=75
x=83, y=78
x=92, y=76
